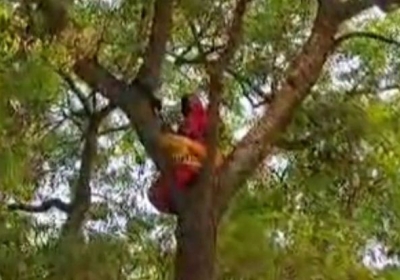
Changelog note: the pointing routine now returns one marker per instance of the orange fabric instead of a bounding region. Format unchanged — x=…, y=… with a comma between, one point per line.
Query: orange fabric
x=182, y=147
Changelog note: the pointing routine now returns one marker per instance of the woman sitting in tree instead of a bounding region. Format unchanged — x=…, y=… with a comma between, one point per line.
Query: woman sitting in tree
x=189, y=151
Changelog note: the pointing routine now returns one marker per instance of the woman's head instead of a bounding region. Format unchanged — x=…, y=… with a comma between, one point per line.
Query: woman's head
x=195, y=117
x=191, y=103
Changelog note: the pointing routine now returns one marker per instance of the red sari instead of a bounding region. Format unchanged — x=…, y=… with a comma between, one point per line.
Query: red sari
x=194, y=127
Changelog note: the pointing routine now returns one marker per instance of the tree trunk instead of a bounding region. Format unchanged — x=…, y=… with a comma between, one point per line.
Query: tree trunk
x=196, y=234
x=196, y=248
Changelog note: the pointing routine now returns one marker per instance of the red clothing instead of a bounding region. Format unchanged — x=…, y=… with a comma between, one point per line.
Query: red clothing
x=194, y=127
x=195, y=123
x=160, y=193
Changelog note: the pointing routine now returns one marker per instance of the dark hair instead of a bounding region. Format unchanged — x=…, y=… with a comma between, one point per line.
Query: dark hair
x=185, y=105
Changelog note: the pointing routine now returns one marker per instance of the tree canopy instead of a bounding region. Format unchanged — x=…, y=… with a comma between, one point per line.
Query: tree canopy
x=307, y=94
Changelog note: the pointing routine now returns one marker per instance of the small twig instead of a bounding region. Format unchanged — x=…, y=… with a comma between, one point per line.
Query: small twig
x=104, y=112
x=75, y=89
x=266, y=100
x=297, y=144
x=77, y=123
x=144, y=21
x=197, y=40
x=242, y=80
x=93, y=97
x=181, y=59
x=115, y=129
x=43, y=207
x=248, y=87
x=367, y=35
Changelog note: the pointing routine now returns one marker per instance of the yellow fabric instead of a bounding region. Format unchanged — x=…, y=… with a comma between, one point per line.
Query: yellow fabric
x=186, y=149
x=187, y=160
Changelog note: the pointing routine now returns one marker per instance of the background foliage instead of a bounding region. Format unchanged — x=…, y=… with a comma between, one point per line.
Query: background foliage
x=328, y=192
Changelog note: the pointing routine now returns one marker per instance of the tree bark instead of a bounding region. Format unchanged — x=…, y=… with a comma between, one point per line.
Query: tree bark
x=82, y=193
x=196, y=236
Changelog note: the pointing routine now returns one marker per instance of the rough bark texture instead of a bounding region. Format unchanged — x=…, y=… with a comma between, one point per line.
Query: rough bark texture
x=196, y=236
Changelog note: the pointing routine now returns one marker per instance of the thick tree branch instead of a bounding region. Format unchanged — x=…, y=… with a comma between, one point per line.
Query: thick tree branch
x=56, y=15
x=235, y=32
x=135, y=99
x=81, y=191
x=131, y=99
x=337, y=11
x=149, y=73
x=215, y=70
x=302, y=74
x=300, y=77
x=98, y=78
x=42, y=207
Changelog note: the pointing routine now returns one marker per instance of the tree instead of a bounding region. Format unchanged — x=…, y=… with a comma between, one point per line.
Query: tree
x=67, y=37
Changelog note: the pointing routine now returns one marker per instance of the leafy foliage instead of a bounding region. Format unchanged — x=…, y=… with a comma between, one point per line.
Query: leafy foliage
x=308, y=217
